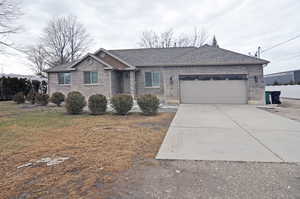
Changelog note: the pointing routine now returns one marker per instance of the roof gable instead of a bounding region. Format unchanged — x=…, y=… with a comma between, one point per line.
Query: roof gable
x=72, y=66
x=93, y=57
x=115, y=61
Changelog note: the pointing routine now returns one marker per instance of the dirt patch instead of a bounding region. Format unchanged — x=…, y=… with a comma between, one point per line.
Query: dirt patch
x=99, y=149
x=162, y=124
x=289, y=108
x=29, y=106
x=154, y=179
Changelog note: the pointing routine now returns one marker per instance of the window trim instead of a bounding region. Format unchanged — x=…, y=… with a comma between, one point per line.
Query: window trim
x=90, y=76
x=152, y=75
x=64, y=79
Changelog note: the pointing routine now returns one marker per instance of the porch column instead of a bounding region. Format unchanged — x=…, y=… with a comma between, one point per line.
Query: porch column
x=132, y=83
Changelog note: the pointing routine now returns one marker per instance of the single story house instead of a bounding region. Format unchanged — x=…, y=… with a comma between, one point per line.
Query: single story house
x=176, y=75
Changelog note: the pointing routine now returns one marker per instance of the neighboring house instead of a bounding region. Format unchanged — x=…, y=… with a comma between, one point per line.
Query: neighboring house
x=286, y=77
x=176, y=75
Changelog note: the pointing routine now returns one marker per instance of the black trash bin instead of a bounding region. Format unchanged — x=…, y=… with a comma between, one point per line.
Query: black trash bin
x=275, y=97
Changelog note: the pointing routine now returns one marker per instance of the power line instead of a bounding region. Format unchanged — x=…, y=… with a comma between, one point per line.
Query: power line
x=14, y=48
x=281, y=43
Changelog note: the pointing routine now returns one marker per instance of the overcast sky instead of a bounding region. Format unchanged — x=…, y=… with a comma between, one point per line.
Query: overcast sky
x=239, y=25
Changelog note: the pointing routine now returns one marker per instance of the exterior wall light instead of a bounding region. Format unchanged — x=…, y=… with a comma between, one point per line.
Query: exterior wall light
x=171, y=80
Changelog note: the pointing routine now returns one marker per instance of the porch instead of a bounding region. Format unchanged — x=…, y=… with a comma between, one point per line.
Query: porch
x=123, y=81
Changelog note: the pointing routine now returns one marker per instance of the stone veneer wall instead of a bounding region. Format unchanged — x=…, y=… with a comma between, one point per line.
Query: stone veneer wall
x=167, y=92
x=77, y=84
x=170, y=92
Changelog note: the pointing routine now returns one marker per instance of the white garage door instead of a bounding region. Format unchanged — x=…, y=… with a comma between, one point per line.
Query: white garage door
x=213, y=91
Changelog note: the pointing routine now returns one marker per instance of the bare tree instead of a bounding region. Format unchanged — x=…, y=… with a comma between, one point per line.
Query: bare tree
x=78, y=38
x=64, y=40
x=199, y=37
x=38, y=58
x=9, y=14
x=149, y=39
x=167, y=39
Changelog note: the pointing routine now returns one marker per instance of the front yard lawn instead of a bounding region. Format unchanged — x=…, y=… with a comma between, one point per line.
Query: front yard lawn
x=99, y=149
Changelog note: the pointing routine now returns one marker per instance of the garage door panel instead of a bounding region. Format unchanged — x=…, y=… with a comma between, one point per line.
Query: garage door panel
x=213, y=91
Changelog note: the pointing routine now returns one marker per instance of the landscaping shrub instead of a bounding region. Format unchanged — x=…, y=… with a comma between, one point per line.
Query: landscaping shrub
x=148, y=103
x=75, y=102
x=57, y=98
x=31, y=96
x=97, y=104
x=122, y=103
x=42, y=99
x=19, y=98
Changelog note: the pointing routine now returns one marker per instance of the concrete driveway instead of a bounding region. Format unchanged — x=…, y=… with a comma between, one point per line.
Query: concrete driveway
x=230, y=133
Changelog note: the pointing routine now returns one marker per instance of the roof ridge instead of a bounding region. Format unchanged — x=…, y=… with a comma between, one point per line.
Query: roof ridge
x=128, y=49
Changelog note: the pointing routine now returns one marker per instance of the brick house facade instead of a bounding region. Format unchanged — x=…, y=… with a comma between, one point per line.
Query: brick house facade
x=157, y=71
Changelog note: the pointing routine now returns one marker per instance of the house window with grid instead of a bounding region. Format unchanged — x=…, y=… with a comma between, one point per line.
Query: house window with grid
x=90, y=77
x=64, y=78
x=152, y=79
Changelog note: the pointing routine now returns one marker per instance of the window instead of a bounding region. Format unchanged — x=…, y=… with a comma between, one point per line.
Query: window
x=90, y=77
x=64, y=78
x=152, y=79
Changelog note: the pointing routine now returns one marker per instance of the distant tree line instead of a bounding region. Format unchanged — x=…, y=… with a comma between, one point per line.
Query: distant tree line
x=10, y=86
x=169, y=39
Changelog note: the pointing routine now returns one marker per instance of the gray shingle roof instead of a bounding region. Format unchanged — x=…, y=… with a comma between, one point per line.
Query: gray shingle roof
x=61, y=68
x=205, y=55
x=180, y=56
x=70, y=66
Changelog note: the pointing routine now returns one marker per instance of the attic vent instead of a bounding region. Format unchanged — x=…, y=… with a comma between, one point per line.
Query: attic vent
x=102, y=54
x=90, y=61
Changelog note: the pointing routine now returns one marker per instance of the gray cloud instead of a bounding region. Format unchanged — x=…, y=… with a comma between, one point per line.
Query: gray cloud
x=240, y=25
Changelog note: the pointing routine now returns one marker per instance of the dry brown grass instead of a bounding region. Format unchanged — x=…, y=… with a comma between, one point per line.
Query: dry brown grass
x=99, y=147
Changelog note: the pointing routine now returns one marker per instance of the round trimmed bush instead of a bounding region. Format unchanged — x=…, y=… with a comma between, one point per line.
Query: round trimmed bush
x=75, y=102
x=31, y=97
x=148, y=104
x=19, y=98
x=97, y=104
x=122, y=103
x=42, y=99
x=57, y=98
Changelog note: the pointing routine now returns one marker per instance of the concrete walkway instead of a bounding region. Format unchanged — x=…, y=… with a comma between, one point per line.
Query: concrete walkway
x=230, y=133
